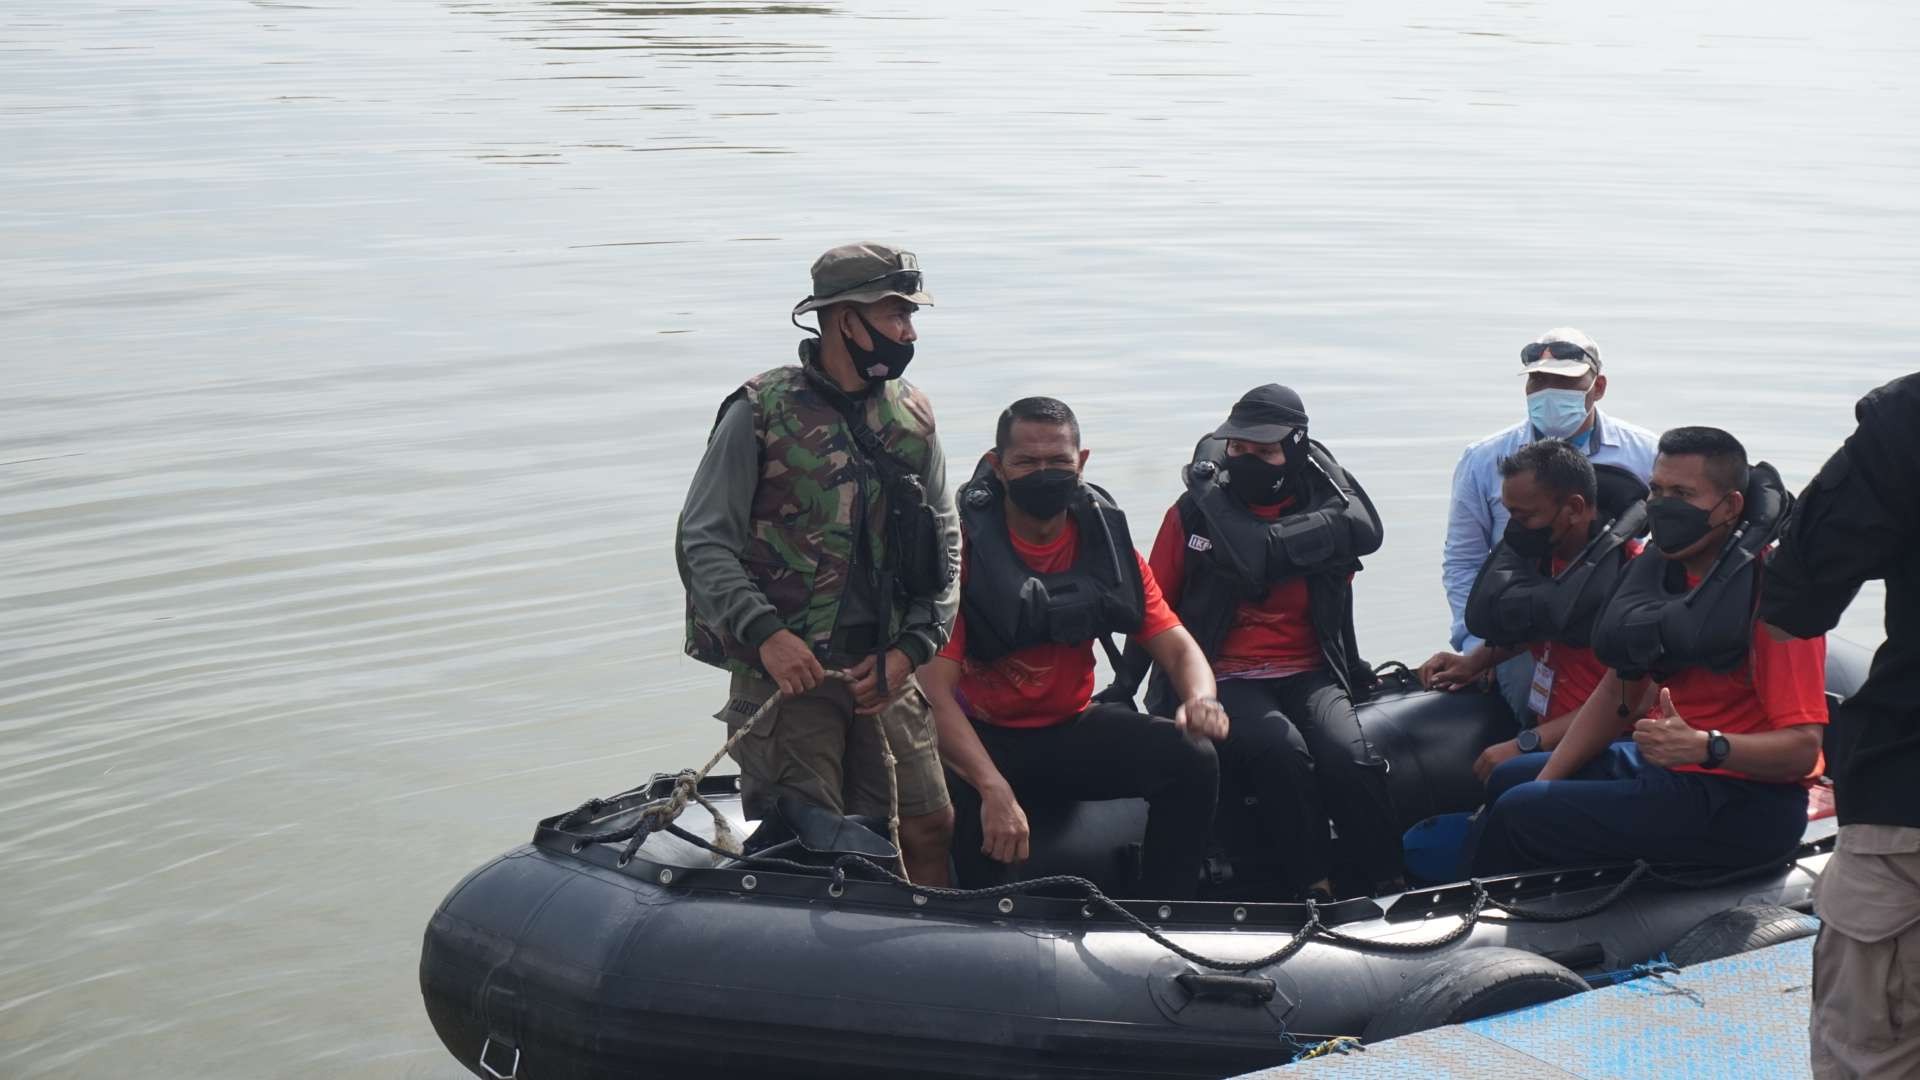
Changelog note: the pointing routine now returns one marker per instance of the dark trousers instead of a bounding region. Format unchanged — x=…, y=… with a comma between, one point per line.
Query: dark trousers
x=1113, y=752
x=1620, y=808
x=1295, y=744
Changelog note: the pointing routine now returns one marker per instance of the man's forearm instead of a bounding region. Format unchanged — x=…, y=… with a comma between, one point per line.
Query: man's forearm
x=1186, y=666
x=1553, y=731
x=960, y=746
x=1592, y=727
x=1781, y=756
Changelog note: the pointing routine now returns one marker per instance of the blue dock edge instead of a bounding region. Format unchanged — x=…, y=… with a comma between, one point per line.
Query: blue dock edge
x=1742, y=1018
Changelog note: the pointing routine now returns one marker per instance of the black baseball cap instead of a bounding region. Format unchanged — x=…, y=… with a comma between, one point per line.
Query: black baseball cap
x=1264, y=414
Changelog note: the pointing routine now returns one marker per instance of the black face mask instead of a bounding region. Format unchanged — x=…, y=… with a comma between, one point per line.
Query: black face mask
x=1044, y=494
x=887, y=359
x=1256, y=480
x=1531, y=544
x=1677, y=523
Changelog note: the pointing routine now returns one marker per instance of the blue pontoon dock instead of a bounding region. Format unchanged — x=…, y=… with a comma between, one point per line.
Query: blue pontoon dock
x=1742, y=1018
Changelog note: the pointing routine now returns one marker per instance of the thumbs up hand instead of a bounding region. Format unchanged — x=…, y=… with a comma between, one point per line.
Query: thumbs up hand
x=1668, y=740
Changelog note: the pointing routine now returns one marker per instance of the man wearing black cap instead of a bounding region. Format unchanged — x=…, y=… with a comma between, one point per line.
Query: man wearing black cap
x=1564, y=385
x=819, y=533
x=1257, y=557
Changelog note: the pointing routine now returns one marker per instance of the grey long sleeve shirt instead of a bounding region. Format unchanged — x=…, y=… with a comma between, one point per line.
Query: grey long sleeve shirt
x=716, y=523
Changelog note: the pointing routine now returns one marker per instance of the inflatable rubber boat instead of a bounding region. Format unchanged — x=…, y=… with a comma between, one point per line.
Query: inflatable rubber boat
x=581, y=956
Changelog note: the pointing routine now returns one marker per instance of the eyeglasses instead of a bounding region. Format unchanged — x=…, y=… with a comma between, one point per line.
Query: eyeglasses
x=1560, y=350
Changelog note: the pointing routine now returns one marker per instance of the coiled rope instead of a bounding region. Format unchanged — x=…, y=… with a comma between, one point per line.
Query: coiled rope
x=661, y=813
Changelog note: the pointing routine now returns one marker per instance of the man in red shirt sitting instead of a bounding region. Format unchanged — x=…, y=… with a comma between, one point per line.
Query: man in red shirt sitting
x=1049, y=568
x=1729, y=728
x=1552, y=495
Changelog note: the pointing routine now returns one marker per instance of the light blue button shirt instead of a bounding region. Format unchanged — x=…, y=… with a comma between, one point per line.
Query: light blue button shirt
x=1477, y=517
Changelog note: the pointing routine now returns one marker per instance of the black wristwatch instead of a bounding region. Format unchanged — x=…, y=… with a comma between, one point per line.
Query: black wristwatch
x=1718, y=747
x=1528, y=741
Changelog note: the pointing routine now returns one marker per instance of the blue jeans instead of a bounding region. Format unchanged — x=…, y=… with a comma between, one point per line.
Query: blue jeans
x=1620, y=808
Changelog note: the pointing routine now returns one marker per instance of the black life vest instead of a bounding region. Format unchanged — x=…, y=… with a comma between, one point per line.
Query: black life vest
x=1515, y=600
x=1655, y=625
x=1008, y=606
x=1235, y=557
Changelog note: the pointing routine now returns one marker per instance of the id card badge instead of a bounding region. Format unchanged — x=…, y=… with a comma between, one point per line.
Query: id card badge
x=1541, y=696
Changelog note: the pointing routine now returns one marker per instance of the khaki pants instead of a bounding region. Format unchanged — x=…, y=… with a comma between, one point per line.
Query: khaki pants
x=815, y=747
x=1866, y=964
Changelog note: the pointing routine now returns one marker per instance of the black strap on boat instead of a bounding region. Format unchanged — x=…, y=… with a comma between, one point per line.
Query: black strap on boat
x=1314, y=927
x=637, y=834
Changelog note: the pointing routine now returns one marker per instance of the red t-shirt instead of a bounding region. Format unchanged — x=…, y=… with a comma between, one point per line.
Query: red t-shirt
x=1576, y=675
x=1042, y=685
x=1271, y=638
x=1576, y=671
x=1779, y=685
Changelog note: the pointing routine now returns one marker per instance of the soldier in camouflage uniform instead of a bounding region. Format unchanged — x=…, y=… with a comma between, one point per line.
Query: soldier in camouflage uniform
x=819, y=532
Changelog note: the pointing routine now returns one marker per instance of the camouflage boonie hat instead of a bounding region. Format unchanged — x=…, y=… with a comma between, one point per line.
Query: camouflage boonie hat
x=864, y=273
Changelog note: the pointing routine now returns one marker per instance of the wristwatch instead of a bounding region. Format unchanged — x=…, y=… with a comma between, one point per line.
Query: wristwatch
x=1718, y=747
x=1528, y=741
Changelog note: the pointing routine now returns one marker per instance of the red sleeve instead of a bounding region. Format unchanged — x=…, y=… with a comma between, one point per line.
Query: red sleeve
x=1160, y=618
x=1790, y=679
x=1169, y=558
x=956, y=647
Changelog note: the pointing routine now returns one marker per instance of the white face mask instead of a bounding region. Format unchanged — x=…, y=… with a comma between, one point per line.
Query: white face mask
x=1557, y=414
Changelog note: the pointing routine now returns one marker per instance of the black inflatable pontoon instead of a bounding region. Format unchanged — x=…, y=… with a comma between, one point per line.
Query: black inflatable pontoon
x=558, y=959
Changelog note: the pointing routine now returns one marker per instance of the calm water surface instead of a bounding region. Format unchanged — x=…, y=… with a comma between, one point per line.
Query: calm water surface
x=356, y=355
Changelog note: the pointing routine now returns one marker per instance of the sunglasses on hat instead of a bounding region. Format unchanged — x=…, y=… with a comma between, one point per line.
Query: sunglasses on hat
x=1559, y=350
x=906, y=281
x=905, y=277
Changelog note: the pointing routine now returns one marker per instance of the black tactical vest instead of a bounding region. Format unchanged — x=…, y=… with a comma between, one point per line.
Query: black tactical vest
x=1516, y=601
x=1244, y=555
x=1654, y=625
x=1008, y=606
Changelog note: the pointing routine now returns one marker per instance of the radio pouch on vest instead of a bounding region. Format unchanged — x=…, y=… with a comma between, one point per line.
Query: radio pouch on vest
x=917, y=547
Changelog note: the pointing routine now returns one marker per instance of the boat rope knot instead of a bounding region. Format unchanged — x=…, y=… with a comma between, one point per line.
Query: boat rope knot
x=1339, y=1044
x=660, y=814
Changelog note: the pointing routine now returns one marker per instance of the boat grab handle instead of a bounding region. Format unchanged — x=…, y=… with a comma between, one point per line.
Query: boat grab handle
x=513, y=1070
x=1255, y=988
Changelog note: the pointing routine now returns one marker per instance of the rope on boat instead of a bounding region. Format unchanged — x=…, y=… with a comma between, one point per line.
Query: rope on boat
x=660, y=814
x=1339, y=1044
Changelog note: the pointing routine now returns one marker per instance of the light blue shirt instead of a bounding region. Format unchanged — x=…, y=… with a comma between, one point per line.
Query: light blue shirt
x=1476, y=517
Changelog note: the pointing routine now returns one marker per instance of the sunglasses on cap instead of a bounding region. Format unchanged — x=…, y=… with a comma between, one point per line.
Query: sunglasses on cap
x=1559, y=350
x=905, y=281
x=905, y=277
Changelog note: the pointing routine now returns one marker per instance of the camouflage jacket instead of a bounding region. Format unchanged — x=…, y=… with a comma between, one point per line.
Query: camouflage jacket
x=817, y=525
